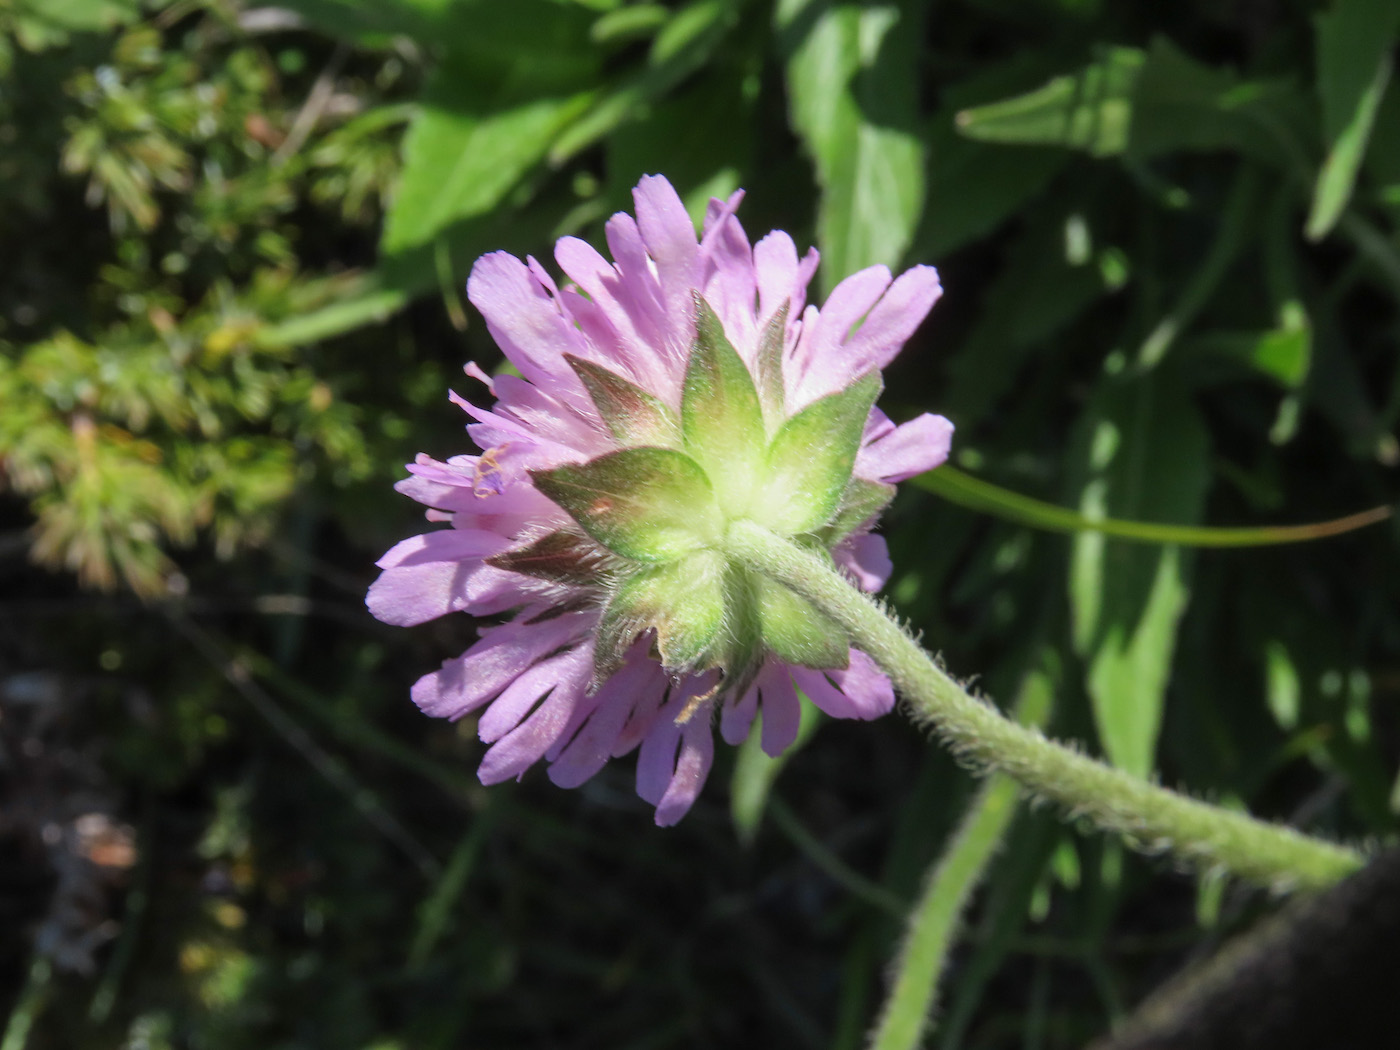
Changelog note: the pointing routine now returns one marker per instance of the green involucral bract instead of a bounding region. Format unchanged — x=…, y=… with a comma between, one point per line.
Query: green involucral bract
x=684, y=600
x=810, y=459
x=647, y=504
x=721, y=419
x=656, y=512
x=634, y=416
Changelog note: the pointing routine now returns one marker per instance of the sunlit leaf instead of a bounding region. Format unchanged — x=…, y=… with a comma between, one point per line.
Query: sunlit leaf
x=851, y=74
x=1090, y=110
x=1354, y=62
x=1145, y=454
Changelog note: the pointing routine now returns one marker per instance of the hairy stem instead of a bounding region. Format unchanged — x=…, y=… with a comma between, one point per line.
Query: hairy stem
x=1149, y=817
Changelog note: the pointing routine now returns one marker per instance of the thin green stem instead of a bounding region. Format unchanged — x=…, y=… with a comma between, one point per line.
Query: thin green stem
x=933, y=926
x=976, y=494
x=1148, y=816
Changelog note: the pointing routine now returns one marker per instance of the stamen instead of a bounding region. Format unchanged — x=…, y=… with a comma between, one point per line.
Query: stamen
x=697, y=702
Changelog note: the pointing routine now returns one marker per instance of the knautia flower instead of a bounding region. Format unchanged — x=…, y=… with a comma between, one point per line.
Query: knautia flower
x=684, y=386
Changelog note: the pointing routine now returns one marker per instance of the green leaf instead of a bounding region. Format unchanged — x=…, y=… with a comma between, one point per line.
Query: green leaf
x=364, y=300
x=634, y=416
x=852, y=75
x=563, y=557
x=1354, y=43
x=1205, y=282
x=356, y=300
x=795, y=631
x=1037, y=293
x=626, y=24
x=810, y=459
x=721, y=419
x=1282, y=687
x=1090, y=110
x=1145, y=453
x=648, y=504
x=48, y=21
x=1181, y=104
x=1282, y=354
x=460, y=161
x=683, y=600
x=707, y=161
x=976, y=186
x=685, y=43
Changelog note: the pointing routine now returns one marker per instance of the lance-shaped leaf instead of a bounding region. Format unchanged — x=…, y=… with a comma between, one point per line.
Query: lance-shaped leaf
x=720, y=414
x=797, y=632
x=683, y=601
x=810, y=459
x=634, y=416
x=562, y=557
x=648, y=504
x=861, y=501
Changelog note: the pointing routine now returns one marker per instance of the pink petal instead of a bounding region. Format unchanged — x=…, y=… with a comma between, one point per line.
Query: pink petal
x=821, y=365
x=782, y=713
x=736, y=718
x=859, y=691
x=692, y=767
x=719, y=210
x=656, y=760
x=502, y=655
x=657, y=764
x=442, y=545
x=431, y=575
x=669, y=237
x=894, y=318
x=507, y=710
x=867, y=687
x=622, y=314
x=729, y=284
x=527, y=743
x=593, y=745
x=526, y=322
x=867, y=558
x=775, y=265
x=911, y=448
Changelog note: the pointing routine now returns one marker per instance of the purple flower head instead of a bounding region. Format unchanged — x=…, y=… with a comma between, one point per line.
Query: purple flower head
x=681, y=387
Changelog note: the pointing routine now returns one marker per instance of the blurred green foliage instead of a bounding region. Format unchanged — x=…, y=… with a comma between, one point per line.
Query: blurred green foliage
x=234, y=243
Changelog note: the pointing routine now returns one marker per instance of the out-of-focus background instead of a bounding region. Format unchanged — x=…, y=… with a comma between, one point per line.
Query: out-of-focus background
x=233, y=241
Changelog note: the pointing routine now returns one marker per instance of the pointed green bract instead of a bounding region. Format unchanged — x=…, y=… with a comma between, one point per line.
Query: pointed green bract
x=648, y=504
x=861, y=502
x=683, y=600
x=770, y=366
x=634, y=416
x=563, y=557
x=796, y=632
x=809, y=461
x=721, y=419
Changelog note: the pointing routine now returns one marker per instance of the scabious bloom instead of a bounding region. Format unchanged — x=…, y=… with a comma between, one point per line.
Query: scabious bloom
x=661, y=396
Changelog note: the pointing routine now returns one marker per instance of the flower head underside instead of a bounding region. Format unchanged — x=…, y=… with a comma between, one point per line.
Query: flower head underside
x=662, y=396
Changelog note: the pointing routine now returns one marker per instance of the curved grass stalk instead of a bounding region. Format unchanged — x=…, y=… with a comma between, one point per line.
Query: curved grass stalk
x=967, y=491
